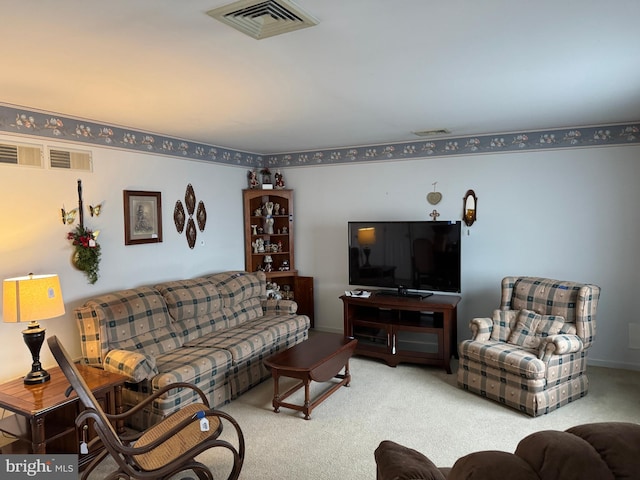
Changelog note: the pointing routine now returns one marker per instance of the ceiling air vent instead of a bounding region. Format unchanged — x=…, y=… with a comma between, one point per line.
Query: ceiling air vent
x=70, y=160
x=260, y=19
x=21, y=155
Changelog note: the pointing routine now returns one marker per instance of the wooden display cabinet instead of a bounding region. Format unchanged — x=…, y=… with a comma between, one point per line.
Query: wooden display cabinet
x=281, y=269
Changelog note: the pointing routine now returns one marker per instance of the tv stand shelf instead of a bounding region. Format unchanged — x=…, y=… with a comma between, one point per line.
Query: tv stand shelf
x=403, y=329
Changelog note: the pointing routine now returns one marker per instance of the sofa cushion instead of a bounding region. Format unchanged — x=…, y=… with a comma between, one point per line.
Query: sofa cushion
x=281, y=327
x=617, y=443
x=236, y=287
x=397, y=462
x=506, y=357
x=532, y=327
x=243, y=312
x=504, y=322
x=195, y=306
x=200, y=366
x=137, y=319
x=553, y=454
x=241, y=342
x=491, y=465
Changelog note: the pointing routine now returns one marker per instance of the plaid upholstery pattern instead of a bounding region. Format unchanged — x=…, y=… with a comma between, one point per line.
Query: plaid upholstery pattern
x=195, y=306
x=576, y=302
x=503, y=322
x=135, y=365
x=93, y=335
x=242, y=342
x=532, y=328
x=533, y=402
x=273, y=306
x=545, y=366
x=235, y=287
x=137, y=320
x=243, y=312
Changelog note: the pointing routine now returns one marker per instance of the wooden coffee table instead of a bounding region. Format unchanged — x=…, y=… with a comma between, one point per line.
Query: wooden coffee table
x=320, y=359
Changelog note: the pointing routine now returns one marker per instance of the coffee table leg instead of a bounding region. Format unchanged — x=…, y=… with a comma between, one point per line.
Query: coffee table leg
x=347, y=375
x=307, y=399
x=276, y=391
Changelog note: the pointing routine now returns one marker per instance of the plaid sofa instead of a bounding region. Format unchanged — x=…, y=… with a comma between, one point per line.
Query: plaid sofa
x=212, y=331
x=532, y=353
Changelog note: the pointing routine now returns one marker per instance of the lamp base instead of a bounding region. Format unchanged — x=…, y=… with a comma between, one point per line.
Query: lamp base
x=34, y=337
x=37, y=377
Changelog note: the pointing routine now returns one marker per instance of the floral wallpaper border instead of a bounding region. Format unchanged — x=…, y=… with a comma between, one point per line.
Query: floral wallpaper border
x=41, y=124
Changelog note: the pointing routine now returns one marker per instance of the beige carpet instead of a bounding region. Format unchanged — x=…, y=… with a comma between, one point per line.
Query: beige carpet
x=418, y=406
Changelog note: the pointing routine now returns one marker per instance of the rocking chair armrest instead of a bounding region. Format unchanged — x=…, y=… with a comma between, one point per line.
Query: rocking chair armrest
x=146, y=401
x=481, y=328
x=559, y=345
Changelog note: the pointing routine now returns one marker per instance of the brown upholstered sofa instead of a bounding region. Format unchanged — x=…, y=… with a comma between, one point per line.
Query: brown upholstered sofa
x=595, y=451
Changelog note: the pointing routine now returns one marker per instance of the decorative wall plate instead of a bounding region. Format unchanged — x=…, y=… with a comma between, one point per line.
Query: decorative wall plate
x=434, y=198
x=201, y=216
x=190, y=199
x=191, y=233
x=179, y=216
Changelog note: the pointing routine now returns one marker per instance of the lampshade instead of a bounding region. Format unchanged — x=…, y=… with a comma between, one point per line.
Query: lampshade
x=367, y=236
x=32, y=298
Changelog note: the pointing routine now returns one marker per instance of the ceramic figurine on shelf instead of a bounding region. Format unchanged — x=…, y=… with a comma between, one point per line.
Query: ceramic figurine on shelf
x=252, y=177
x=279, y=180
x=268, y=267
x=268, y=225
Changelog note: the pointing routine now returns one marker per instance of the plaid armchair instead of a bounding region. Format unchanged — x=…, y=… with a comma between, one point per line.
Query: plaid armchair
x=532, y=353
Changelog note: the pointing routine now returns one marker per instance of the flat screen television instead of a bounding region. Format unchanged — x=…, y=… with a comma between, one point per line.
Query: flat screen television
x=423, y=256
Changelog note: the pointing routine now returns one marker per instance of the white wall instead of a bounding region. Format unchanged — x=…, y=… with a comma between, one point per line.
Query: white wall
x=565, y=214
x=33, y=238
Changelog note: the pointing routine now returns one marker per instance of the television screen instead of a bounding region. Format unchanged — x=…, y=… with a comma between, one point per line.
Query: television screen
x=419, y=255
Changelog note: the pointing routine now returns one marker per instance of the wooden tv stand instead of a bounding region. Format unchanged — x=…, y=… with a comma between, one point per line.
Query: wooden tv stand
x=403, y=329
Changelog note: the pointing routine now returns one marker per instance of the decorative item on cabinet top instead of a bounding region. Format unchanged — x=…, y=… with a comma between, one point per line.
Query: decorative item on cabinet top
x=180, y=216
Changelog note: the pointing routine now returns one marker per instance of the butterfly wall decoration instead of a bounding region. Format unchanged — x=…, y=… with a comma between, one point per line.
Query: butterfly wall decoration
x=68, y=217
x=95, y=210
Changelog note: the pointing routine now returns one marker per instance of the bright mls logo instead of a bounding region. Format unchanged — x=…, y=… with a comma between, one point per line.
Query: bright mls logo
x=49, y=467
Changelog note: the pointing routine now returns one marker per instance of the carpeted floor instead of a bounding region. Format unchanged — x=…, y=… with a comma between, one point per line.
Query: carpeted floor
x=418, y=406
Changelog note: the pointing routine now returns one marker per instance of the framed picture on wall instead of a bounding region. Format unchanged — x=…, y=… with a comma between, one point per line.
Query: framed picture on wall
x=142, y=217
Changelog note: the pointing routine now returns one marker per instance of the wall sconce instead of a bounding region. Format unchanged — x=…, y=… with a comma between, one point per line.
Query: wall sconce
x=29, y=299
x=366, y=237
x=469, y=207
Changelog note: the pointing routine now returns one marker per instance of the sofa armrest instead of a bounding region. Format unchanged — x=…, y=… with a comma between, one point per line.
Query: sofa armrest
x=481, y=328
x=135, y=365
x=279, y=307
x=559, y=345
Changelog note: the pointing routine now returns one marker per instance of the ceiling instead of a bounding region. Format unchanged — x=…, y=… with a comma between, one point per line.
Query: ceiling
x=371, y=71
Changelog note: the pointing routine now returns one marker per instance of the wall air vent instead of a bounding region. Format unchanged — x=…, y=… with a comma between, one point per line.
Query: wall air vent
x=70, y=160
x=262, y=19
x=29, y=155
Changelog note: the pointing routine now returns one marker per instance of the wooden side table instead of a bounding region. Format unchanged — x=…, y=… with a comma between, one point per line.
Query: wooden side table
x=44, y=419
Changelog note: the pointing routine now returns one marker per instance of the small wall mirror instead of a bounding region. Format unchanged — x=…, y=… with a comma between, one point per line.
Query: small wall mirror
x=469, y=207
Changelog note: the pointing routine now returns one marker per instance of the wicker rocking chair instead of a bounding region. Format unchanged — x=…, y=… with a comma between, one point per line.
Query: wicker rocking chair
x=167, y=448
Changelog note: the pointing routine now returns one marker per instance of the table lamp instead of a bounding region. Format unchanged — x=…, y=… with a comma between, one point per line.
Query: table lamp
x=29, y=299
x=366, y=237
